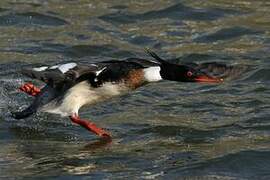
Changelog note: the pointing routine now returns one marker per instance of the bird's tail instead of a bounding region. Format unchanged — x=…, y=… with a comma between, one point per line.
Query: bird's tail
x=25, y=113
x=46, y=95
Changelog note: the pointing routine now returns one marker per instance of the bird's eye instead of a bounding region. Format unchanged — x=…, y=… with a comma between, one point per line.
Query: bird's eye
x=189, y=73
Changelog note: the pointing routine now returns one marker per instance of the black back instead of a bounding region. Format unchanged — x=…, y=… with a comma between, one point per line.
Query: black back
x=114, y=71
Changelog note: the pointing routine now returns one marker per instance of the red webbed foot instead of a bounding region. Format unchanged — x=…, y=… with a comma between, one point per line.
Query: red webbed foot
x=30, y=89
x=90, y=126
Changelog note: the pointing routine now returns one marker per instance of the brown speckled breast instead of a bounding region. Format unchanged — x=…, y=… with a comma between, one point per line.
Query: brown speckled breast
x=135, y=78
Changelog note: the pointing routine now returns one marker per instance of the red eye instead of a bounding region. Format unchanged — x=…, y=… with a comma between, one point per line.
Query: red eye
x=189, y=73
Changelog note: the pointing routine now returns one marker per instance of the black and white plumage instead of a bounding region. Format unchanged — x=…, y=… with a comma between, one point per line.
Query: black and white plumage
x=72, y=85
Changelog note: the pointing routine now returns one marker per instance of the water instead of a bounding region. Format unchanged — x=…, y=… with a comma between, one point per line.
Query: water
x=164, y=130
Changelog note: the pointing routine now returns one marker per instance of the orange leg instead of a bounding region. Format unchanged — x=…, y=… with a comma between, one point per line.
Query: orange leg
x=30, y=89
x=90, y=126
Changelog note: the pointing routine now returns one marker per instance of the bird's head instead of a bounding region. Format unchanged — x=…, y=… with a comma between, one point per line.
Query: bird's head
x=185, y=73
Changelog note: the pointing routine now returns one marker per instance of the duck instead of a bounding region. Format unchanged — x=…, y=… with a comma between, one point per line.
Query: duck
x=72, y=85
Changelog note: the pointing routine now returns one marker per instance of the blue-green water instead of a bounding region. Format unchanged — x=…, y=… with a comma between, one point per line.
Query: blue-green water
x=164, y=130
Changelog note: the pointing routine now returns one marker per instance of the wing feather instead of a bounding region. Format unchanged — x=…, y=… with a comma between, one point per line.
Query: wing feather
x=62, y=74
x=66, y=75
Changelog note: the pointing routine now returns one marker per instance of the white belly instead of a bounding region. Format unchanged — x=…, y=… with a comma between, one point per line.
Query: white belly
x=82, y=94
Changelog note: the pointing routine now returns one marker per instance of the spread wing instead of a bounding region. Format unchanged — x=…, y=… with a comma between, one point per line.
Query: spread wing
x=64, y=74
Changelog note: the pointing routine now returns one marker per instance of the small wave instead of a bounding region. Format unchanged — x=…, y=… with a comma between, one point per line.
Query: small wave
x=260, y=75
x=226, y=34
x=248, y=164
x=175, y=12
x=31, y=18
x=78, y=51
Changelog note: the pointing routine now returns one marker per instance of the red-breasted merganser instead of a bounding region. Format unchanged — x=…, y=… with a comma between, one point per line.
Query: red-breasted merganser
x=71, y=86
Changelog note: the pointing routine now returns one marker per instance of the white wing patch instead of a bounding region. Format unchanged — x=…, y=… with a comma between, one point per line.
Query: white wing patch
x=152, y=74
x=63, y=68
x=100, y=71
x=54, y=67
x=40, y=68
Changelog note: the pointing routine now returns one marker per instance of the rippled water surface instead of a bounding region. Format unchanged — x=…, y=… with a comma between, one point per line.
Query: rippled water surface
x=164, y=130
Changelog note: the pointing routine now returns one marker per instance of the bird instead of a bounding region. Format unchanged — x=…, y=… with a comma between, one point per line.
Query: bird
x=72, y=85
